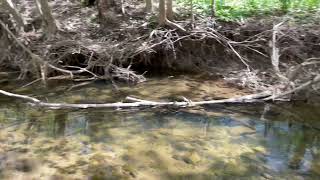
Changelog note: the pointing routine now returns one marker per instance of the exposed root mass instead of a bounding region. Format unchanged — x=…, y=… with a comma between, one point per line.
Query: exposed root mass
x=134, y=46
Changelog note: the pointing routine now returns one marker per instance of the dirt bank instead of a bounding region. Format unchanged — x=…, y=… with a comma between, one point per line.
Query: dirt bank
x=240, y=53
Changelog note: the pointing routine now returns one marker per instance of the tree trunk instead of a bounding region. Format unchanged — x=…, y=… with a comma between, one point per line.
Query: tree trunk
x=213, y=8
x=47, y=18
x=149, y=6
x=169, y=10
x=162, y=12
x=192, y=13
x=163, y=17
x=107, y=12
x=8, y=4
x=4, y=40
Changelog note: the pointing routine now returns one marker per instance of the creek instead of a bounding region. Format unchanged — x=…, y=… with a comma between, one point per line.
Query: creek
x=252, y=141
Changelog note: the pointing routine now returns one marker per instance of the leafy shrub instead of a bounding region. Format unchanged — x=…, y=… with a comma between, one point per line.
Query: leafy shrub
x=232, y=10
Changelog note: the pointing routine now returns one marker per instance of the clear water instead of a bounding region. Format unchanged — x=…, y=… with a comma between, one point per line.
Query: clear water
x=259, y=141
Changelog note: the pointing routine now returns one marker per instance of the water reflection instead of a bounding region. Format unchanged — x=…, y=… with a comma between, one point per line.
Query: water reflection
x=59, y=120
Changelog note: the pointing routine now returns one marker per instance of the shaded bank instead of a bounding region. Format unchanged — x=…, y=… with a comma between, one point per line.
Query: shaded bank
x=253, y=54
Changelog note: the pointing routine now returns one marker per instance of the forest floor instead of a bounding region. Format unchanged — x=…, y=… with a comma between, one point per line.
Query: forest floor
x=134, y=45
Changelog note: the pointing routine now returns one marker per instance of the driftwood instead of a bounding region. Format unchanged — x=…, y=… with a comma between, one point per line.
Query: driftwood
x=139, y=102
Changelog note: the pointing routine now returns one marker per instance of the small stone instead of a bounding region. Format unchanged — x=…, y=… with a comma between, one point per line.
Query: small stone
x=266, y=175
x=259, y=149
x=24, y=165
x=81, y=162
x=128, y=169
x=192, y=158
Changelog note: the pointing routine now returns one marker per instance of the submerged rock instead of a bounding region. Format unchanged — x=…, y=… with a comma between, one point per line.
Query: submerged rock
x=191, y=158
x=23, y=166
x=129, y=170
x=235, y=168
x=101, y=167
x=241, y=130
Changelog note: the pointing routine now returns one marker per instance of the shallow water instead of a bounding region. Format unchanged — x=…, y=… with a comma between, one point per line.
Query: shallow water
x=260, y=141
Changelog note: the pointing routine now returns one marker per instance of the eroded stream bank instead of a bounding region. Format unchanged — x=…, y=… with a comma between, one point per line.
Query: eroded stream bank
x=259, y=141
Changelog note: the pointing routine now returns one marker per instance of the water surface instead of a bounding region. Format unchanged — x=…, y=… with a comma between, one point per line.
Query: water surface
x=259, y=141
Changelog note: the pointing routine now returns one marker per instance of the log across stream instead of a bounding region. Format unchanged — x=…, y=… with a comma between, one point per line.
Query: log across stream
x=136, y=102
x=140, y=102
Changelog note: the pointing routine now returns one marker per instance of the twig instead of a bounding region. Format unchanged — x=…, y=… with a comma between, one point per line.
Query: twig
x=32, y=82
x=80, y=85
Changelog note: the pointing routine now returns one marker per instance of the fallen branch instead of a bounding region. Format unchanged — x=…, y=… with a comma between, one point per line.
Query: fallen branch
x=275, y=57
x=27, y=98
x=297, y=89
x=138, y=102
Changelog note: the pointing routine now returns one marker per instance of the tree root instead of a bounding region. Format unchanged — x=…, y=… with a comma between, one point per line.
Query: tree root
x=174, y=25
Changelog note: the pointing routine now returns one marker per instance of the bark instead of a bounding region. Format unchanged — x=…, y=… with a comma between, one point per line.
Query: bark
x=163, y=17
x=138, y=102
x=149, y=7
x=275, y=57
x=213, y=8
x=107, y=12
x=169, y=10
x=162, y=12
x=47, y=18
x=8, y=4
x=123, y=11
x=192, y=13
x=4, y=40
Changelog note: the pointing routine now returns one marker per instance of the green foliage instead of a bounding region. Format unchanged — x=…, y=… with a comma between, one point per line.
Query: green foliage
x=232, y=10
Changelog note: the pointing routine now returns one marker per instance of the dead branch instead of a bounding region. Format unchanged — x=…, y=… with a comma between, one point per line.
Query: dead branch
x=297, y=89
x=27, y=98
x=42, y=65
x=15, y=13
x=275, y=53
x=174, y=26
x=294, y=72
x=126, y=74
x=138, y=102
